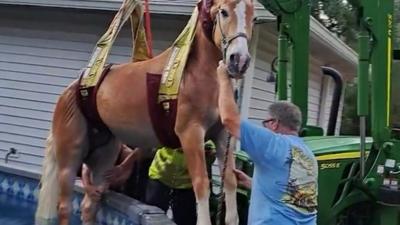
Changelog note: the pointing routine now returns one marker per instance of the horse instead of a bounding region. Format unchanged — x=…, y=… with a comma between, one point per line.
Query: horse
x=223, y=31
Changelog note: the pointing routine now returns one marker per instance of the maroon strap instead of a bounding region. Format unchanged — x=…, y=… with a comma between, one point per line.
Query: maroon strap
x=163, y=122
x=88, y=102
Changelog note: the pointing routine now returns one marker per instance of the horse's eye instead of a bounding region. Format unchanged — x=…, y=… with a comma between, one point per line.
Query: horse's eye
x=224, y=13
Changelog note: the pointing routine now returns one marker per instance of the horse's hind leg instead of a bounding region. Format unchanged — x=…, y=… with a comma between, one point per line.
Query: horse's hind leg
x=70, y=136
x=226, y=163
x=192, y=140
x=102, y=160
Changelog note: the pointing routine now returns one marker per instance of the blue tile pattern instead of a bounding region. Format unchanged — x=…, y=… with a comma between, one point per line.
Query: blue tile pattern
x=19, y=187
x=27, y=189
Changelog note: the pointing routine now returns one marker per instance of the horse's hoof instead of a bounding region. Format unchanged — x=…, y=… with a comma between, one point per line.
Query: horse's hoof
x=88, y=223
x=204, y=222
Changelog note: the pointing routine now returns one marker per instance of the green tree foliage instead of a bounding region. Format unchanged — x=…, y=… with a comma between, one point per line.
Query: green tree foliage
x=396, y=70
x=350, y=121
x=339, y=17
x=395, y=112
x=397, y=23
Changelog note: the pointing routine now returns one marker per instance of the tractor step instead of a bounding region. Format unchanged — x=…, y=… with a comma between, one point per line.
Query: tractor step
x=389, y=196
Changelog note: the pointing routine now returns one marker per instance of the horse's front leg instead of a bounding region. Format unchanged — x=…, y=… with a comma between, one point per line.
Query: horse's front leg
x=226, y=164
x=192, y=140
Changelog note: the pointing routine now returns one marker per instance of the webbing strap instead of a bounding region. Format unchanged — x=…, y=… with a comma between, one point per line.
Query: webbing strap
x=172, y=74
x=129, y=8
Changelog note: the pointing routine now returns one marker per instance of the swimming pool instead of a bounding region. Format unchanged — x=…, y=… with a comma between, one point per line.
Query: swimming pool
x=16, y=211
x=18, y=198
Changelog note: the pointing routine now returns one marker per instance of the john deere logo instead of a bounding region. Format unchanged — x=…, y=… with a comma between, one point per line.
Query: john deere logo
x=329, y=166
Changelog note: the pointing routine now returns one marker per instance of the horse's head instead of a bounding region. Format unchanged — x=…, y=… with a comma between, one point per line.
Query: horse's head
x=231, y=30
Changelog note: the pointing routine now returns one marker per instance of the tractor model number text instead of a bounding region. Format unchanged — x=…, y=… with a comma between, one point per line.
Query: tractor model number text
x=329, y=166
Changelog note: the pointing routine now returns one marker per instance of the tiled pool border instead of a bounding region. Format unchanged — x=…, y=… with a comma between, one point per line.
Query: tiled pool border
x=116, y=209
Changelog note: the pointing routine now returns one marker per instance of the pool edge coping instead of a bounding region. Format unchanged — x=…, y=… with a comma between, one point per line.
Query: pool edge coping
x=135, y=210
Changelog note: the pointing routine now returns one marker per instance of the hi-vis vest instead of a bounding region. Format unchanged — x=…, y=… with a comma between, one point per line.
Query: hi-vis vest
x=170, y=168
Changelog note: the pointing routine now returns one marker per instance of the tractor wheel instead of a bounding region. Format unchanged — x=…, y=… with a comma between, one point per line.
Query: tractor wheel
x=359, y=214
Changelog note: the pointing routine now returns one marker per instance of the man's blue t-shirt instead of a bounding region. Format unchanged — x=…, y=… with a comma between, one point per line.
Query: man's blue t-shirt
x=284, y=186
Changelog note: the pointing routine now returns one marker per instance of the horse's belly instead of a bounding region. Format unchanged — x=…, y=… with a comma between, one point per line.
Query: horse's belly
x=134, y=129
x=122, y=105
x=143, y=138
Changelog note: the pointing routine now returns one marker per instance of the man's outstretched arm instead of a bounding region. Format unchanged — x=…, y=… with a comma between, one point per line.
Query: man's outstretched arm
x=226, y=102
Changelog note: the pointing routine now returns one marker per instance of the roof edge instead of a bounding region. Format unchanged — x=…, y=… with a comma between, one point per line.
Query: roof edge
x=323, y=35
x=317, y=31
x=157, y=7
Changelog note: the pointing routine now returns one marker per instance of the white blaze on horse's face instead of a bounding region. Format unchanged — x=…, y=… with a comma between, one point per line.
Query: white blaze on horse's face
x=235, y=21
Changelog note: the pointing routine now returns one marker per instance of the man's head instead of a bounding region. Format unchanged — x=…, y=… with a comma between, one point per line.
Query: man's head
x=284, y=117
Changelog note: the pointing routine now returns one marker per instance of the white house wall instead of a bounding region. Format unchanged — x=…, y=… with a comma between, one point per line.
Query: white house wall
x=39, y=57
x=314, y=91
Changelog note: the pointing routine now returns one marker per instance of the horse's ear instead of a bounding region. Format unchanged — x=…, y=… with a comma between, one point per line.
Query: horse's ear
x=204, y=8
x=214, y=11
x=205, y=5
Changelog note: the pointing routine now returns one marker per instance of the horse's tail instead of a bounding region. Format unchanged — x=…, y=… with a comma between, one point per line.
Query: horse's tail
x=49, y=187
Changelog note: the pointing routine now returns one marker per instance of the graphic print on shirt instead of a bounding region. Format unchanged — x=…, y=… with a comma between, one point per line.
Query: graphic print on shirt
x=301, y=192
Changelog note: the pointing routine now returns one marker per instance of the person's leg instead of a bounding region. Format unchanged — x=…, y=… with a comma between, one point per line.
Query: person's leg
x=184, y=207
x=143, y=176
x=136, y=185
x=158, y=194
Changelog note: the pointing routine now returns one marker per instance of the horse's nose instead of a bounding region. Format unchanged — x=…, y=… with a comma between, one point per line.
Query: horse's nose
x=239, y=62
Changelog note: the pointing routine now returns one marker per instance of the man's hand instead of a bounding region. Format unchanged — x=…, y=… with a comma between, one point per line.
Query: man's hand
x=222, y=71
x=113, y=174
x=93, y=192
x=117, y=176
x=243, y=179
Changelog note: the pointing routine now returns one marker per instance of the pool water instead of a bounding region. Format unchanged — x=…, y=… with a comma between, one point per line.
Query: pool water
x=18, y=200
x=15, y=211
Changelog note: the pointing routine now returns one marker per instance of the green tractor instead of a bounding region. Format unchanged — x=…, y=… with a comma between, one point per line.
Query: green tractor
x=358, y=176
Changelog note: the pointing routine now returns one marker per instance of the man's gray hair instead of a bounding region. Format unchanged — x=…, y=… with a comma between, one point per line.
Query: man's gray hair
x=288, y=114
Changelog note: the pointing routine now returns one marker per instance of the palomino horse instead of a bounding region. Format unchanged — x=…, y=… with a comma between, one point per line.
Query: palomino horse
x=224, y=28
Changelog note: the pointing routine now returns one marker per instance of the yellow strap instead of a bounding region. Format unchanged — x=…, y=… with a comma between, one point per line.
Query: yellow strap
x=129, y=8
x=172, y=74
x=139, y=50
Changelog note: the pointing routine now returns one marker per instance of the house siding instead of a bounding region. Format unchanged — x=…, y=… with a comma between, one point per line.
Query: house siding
x=39, y=57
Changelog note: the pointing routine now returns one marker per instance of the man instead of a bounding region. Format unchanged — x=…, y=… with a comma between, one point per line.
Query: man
x=284, y=185
x=170, y=184
x=116, y=176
